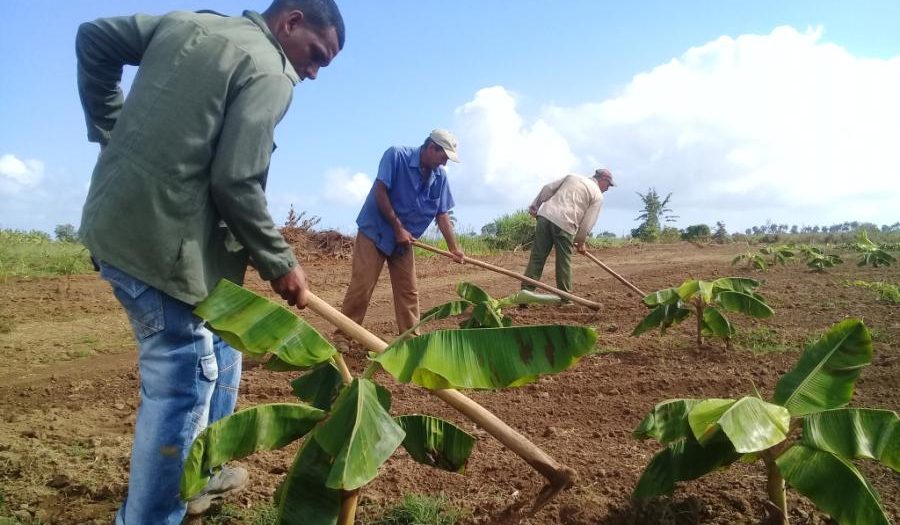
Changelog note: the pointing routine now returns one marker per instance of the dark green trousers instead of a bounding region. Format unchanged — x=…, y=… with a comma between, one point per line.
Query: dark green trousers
x=547, y=236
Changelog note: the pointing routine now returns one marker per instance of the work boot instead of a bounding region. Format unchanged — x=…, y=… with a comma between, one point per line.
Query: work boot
x=224, y=482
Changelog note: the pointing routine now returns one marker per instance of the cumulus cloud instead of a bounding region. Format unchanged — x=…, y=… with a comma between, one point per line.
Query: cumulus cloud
x=345, y=188
x=504, y=158
x=783, y=124
x=17, y=175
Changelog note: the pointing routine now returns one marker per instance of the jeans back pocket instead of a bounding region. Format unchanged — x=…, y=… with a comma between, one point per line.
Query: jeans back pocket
x=141, y=302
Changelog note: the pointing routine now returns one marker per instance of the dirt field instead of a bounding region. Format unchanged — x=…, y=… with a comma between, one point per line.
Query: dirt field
x=69, y=389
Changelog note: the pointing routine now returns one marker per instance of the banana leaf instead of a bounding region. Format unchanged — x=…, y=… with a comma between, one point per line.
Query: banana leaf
x=716, y=323
x=826, y=373
x=360, y=435
x=663, y=316
x=682, y=460
x=487, y=358
x=706, y=291
x=436, y=442
x=833, y=484
x=485, y=315
x=473, y=293
x=304, y=498
x=751, y=424
x=277, y=365
x=318, y=387
x=745, y=303
x=737, y=284
x=667, y=422
x=263, y=427
x=255, y=325
x=666, y=296
x=688, y=289
x=854, y=433
x=443, y=311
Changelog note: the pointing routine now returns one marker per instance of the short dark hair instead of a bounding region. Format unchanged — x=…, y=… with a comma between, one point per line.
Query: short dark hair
x=321, y=14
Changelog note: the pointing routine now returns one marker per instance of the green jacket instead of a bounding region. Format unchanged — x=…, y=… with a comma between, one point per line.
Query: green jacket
x=177, y=196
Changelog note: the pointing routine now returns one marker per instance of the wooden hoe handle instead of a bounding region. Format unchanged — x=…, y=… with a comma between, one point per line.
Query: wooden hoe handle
x=616, y=275
x=574, y=298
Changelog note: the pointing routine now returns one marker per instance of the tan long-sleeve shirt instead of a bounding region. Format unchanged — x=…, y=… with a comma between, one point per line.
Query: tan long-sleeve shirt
x=573, y=203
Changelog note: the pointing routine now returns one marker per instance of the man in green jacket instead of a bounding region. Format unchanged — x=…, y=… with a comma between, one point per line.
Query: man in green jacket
x=177, y=203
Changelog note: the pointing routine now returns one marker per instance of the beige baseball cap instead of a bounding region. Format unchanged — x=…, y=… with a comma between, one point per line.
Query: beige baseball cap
x=446, y=140
x=604, y=174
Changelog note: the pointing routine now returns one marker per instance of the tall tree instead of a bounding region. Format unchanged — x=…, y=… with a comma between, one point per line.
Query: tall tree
x=653, y=214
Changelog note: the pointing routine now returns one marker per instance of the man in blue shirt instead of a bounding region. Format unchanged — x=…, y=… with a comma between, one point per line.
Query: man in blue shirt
x=411, y=190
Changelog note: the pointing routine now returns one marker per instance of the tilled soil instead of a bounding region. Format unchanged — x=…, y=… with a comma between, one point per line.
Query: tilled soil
x=69, y=390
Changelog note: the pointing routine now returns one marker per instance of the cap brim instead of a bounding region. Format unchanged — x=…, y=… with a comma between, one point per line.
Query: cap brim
x=451, y=155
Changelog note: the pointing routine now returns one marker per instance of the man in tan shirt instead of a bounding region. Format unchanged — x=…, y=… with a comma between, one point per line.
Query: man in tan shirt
x=566, y=211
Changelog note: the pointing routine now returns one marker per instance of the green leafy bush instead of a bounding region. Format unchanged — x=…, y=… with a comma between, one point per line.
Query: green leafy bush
x=512, y=231
x=697, y=232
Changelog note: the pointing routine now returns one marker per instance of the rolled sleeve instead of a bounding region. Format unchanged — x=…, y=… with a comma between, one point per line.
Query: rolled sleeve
x=240, y=168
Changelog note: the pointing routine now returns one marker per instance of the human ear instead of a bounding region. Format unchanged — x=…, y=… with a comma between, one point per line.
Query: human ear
x=293, y=20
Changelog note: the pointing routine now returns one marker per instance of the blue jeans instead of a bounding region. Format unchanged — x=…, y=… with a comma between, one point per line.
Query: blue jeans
x=189, y=378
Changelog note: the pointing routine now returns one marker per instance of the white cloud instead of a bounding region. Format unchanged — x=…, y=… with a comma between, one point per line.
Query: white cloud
x=345, y=188
x=18, y=175
x=504, y=160
x=783, y=124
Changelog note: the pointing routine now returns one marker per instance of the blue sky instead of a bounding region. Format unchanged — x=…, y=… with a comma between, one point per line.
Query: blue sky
x=747, y=112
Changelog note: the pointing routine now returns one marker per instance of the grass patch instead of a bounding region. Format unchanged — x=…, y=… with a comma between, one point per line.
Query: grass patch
x=33, y=254
x=419, y=509
x=761, y=340
x=264, y=514
x=472, y=245
x=887, y=292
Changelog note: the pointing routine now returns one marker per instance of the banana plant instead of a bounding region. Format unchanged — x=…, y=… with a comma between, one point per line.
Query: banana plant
x=486, y=311
x=817, y=260
x=706, y=299
x=754, y=260
x=871, y=253
x=780, y=254
x=805, y=436
x=344, y=423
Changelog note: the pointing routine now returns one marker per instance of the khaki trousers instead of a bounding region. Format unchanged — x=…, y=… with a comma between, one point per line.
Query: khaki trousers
x=367, y=265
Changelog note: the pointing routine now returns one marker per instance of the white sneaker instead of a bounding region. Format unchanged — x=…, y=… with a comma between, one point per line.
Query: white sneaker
x=224, y=482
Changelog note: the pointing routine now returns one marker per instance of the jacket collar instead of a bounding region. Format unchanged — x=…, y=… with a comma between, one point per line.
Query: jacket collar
x=257, y=19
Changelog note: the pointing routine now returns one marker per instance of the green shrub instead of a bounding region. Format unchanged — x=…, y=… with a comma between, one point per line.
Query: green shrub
x=669, y=234
x=512, y=231
x=697, y=232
